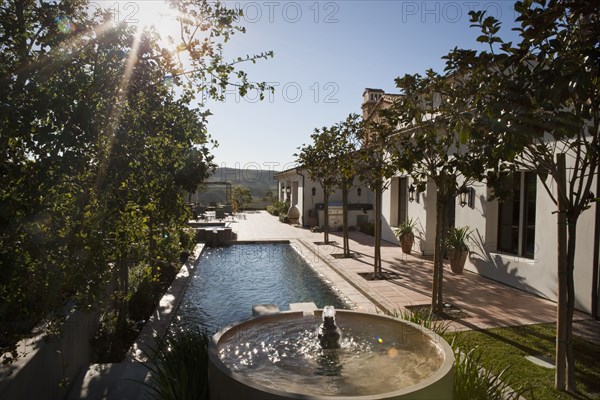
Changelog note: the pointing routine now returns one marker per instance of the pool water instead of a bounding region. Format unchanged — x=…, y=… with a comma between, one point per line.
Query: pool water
x=228, y=281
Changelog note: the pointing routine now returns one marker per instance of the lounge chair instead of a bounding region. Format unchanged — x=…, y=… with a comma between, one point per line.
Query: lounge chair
x=201, y=212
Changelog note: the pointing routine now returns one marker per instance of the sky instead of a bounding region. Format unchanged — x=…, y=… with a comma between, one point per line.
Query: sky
x=326, y=54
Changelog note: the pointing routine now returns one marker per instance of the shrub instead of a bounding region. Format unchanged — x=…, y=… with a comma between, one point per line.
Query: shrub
x=273, y=210
x=282, y=206
x=426, y=320
x=368, y=228
x=179, y=366
x=187, y=239
x=472, y=382
x=110, y=343
x=406, y=228
x=458, y=238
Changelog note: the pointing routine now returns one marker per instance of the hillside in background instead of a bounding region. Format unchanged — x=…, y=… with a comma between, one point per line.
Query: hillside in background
x=258, y=181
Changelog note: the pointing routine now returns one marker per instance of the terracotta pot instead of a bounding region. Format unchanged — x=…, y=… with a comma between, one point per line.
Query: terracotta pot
x=457, y=260
x=406, y=242
x=293, y=214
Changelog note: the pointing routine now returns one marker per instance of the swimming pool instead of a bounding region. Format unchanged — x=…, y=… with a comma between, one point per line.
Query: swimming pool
x=228, y=281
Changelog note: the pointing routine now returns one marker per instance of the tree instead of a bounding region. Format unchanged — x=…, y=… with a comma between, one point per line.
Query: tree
x=540, y=103
x=434, y=147
x=94, y=149
x=316, y=159
x=376, y=165
x=269, y=197
x=343, y=147
x=241, y=197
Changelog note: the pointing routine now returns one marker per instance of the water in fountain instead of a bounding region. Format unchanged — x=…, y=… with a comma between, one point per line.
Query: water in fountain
x=368, y=359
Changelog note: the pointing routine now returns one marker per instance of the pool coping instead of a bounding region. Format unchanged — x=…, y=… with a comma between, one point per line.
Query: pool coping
x=159, y=322
x=379, y=302
x=333, y=276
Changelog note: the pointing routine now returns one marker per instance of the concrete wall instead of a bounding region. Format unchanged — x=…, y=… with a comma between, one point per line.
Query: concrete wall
x=48, y=365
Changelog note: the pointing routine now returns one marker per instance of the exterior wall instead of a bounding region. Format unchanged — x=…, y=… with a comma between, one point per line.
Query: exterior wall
x=423, y=211
x=301, y=196
x=296, y=184
x=389, y=202
x=538, y=274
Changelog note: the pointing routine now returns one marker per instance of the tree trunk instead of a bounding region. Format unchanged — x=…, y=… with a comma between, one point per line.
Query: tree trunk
x=572, y=227
x=561, y=319
x=438, y=260
x=596, y=258
x=377, y=233
x=345, y=221
x=325, y=216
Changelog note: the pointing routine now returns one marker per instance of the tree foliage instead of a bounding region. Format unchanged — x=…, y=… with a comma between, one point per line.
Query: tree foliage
x=434, y=145
x=343, y=145
x=376, y=165
x=317, y=159
x=241, y=197
x=538, y=99
x=95, y=148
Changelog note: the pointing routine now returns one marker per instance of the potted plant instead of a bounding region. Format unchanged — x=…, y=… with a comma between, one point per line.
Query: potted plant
x=406, y=235
x=456, y=243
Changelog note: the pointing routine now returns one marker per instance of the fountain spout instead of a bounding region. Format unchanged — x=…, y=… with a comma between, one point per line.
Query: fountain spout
x=329, y=334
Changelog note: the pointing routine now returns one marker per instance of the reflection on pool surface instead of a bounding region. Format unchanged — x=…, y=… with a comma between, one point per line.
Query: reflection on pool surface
x=228, y=281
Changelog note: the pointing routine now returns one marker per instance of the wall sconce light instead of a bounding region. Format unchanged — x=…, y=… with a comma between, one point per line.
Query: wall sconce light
x=314, y=191
x=411, y=193
x=288, y=189
x=466, y=196
x=359, y=191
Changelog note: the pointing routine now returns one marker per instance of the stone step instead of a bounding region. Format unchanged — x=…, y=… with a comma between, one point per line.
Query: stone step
x=264, y=309
x=307, y=308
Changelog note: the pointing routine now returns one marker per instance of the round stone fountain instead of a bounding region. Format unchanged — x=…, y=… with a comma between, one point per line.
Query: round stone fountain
x=329, y=355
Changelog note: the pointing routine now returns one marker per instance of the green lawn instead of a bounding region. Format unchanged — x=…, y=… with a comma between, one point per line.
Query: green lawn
x=502, y=347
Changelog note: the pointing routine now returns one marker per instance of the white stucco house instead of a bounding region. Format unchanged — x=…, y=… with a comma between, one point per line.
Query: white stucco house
x=295, y=185
x=514, y=241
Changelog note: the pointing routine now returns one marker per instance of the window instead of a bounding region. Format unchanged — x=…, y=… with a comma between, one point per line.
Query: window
x=516, y=217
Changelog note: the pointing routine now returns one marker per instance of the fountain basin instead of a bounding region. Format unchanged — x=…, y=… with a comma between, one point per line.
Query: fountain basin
x=278, y=356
